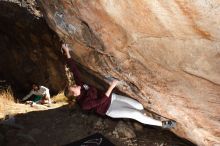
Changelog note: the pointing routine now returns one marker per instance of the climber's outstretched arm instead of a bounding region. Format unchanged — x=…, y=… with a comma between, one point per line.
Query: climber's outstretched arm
x=72, y=65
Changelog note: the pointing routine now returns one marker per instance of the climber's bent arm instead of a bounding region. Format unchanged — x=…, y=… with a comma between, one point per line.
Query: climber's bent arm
x=111, y=87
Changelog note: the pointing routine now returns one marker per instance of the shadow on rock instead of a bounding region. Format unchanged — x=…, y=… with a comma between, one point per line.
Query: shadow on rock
x=61, y=126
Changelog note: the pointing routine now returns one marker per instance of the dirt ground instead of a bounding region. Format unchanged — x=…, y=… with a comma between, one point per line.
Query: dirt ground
x=59, y=125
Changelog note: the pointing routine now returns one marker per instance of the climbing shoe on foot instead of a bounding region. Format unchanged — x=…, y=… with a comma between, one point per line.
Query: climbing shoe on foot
x=168, y=124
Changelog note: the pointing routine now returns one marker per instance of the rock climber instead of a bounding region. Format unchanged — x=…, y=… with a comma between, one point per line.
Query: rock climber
x=42, y=95
x=107, y=103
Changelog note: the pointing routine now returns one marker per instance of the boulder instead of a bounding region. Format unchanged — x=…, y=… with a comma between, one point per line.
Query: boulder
x=2, y=139
x=35, y=132
x=166, y=52
x=123, y=130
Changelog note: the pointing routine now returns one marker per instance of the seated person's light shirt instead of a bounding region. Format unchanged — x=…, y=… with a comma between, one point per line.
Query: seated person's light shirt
x=43, y=91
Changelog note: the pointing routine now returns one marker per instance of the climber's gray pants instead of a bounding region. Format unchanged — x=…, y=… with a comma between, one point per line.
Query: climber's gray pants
x=125, y=107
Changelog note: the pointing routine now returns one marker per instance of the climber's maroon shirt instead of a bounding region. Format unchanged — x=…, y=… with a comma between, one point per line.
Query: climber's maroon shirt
x=90, y=97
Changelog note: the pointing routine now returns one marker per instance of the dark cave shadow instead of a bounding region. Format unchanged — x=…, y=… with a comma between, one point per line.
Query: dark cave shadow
x=23, y=38
x=61, y=126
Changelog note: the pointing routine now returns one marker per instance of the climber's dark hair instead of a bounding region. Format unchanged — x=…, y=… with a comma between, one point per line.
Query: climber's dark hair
x=66, y=91
x=36, y=84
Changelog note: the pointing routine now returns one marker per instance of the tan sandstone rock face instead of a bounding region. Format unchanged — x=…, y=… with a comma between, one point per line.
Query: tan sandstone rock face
x=166, y=52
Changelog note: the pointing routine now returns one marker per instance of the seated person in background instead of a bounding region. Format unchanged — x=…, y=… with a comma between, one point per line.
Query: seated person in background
x=42, y=95
x=105, y=102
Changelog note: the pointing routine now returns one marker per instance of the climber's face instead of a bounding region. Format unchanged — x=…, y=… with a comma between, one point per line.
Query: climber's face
x=35, y=87
x=74, y=90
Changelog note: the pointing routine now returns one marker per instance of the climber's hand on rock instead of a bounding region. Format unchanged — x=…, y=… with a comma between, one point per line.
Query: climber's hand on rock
x=66, y=50
x=111, y=87
x=114, y=83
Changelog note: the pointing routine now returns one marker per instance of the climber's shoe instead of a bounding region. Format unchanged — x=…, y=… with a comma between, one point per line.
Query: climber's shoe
x=168, y=124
